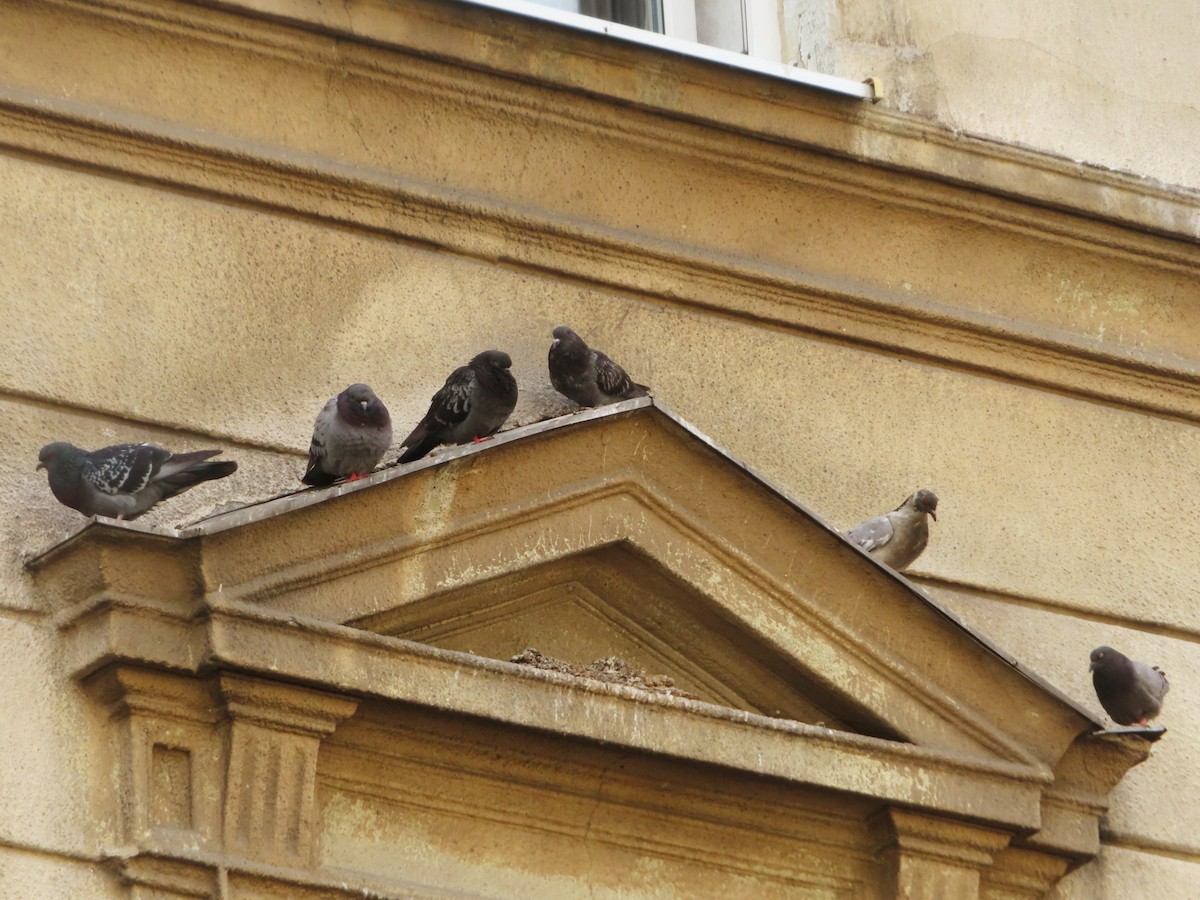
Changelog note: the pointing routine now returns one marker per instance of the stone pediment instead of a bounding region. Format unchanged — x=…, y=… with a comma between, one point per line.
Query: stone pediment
x=620, y=531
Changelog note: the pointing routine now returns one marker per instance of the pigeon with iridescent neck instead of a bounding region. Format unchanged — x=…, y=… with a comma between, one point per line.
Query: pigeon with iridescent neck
x=352, y=433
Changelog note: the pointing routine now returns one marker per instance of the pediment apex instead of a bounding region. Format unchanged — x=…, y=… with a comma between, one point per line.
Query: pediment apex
x=631, y=486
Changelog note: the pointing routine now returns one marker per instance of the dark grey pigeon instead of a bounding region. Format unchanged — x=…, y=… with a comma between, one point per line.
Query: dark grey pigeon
x=899, y=537
x=587, y=376
x=471, y=405
x=125, y=480
x=1130, y=691
x=352, y=434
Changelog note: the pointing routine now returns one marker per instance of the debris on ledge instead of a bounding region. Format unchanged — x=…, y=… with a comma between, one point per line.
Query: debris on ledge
x=610, y=669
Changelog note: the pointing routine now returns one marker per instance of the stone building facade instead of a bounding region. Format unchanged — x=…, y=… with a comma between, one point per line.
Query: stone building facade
x=221, y=214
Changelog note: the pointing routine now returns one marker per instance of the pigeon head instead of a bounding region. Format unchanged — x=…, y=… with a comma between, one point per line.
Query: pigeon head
x=926, y=501
x=54, y=456
x=563, y=333
x=361, y=394
x=492, y=359
x=1105, y=657
x=359, y=404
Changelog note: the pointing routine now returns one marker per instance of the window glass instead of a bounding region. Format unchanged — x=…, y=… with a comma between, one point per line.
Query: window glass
x=647, y=14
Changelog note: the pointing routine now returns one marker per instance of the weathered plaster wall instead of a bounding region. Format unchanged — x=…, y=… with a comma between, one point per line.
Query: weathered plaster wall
x=135, y=310
x=1096, y=85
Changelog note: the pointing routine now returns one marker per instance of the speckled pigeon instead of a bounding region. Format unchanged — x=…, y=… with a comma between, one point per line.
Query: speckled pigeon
x=1130, y=691
x=585, y=375
x=125, y=480
x=899, y=537
x=471, y=405
x=352, y=433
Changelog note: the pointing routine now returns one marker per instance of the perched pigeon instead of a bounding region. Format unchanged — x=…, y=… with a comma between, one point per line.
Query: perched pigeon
x=352, y=433
x=898, y=537
x=1130, y=691
x=472, y=404
x=125, y=480
x=585, y=375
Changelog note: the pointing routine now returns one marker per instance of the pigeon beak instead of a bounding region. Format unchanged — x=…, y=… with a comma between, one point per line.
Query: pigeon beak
x=933, y=514
x=1092, y=665
x=40, y=466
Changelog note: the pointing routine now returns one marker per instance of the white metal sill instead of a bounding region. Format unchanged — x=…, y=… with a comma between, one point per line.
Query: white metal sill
x=862, y=90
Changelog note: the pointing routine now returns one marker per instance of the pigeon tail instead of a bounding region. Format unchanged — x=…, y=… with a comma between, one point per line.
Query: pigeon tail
x=195, y=473
x=423, y=445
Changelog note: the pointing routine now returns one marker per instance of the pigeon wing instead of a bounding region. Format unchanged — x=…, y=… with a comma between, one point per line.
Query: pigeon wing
x=449, y=407
x=123, y=468
x=1150, y=680
x=317, y=448
x=610, y=377
x=873, y=533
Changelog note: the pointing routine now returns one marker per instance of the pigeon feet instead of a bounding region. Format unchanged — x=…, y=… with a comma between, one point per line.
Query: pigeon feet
x=480, y=440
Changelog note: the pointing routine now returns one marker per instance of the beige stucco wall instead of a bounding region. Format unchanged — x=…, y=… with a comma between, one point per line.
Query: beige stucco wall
x=1101, y=86
x=133, y=310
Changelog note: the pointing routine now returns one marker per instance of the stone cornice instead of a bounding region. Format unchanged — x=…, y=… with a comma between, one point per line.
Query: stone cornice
x=880, y=136
x=348, y=661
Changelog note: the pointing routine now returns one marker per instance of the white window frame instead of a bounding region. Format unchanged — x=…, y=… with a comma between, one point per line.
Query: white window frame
x=679, y=18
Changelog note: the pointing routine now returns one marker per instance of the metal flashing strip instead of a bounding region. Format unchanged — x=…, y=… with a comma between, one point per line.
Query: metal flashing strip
x=863, y=90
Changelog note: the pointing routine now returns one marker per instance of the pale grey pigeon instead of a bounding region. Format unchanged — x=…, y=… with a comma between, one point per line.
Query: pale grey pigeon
x=585, y=375
x=125, y=480
x=1130, y=691
x=352, y=433
x=471, y=405
x=899, y=537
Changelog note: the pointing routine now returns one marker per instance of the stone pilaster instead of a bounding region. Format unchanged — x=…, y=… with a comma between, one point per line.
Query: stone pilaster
x=167, y=755
x=932, y=858
x=274, y=732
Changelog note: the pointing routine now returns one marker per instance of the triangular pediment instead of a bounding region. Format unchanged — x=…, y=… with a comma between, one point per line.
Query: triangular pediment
x=625, y=532
x=616, y=601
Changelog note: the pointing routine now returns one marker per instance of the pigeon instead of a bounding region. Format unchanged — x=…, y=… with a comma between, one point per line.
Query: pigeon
x=125, y=480
x=587, y=376
x=471, y=405
x=352, y=434
x=1130, y=691
x=898, y=537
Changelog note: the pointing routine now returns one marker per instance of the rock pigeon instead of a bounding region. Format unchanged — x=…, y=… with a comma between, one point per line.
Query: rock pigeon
x=1130, y=691
x=352, y=434
x=898, y=537
x=471, y=405
x=125, y=480
x=585, y=375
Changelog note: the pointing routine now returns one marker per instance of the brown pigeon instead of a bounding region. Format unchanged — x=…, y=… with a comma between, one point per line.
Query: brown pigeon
x=587, y=376
x=899, y=537
x=473, y=403
x=1130, y=691
x=125, y=480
